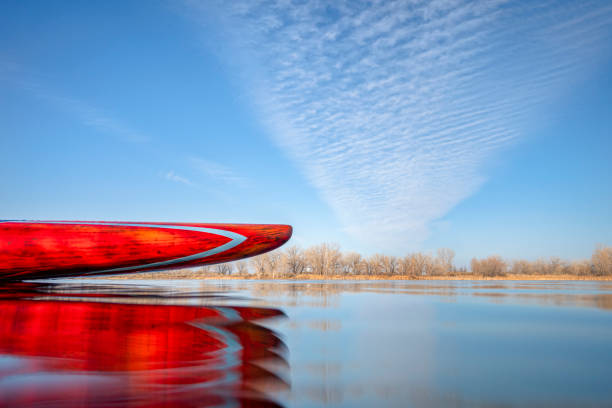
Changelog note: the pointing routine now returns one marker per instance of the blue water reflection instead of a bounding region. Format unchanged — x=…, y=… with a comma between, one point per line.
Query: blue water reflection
x=440, y=343
x=422, y=343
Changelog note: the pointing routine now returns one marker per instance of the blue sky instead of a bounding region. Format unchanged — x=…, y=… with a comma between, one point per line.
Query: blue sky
x=482, y=126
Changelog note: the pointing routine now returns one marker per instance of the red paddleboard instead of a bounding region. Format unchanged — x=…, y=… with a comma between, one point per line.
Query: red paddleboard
x=50, y=249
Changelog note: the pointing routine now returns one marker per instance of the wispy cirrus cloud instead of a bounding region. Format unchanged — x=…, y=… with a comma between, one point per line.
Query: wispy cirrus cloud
x=90, y=116
x=96, y=118
x=217, y=171
x=392, y=108
x=206, y=173
x=172, y=176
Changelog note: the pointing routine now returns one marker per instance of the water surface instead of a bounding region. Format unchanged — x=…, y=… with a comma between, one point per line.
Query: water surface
x=371, y=343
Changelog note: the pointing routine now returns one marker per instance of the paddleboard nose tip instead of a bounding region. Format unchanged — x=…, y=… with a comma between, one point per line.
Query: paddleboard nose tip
x=286, y=231
x=267, y=237
x=278, y=234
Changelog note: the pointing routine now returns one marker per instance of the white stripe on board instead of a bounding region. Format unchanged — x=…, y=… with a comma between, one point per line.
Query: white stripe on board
x=236, y=239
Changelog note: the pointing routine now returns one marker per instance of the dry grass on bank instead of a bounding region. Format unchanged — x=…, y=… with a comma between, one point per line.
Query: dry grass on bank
x=459, y=277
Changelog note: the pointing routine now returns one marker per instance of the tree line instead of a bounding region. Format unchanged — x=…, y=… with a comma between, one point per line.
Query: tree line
x=328, y=260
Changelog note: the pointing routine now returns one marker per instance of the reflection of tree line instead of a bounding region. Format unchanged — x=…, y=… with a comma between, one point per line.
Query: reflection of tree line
x=327, y=294
x=312, y=294
x=327, y=260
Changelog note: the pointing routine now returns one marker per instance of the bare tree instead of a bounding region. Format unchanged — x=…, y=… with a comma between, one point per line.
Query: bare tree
x=294, y=261
x=419, y=264
x=259, y=264
x=375, y=264
x=389, y=265
x=409, y=266
x=491, y=266
x=351, y=263
x=521, y=267
x=580, y=268
x=602, y=260
x=273, y=263
x=223, y=268
x=241, y=268
x=404, y=266
x=205, y=269
x=444, y=261
x=557, y=266
x=324, y=259
x=315, y=257
x=333, y=259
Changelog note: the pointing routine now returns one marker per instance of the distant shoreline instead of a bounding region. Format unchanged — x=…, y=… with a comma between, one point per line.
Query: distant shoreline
x=183, y=275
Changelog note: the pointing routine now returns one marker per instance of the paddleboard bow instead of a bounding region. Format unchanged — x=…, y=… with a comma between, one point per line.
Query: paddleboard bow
x=49, y=249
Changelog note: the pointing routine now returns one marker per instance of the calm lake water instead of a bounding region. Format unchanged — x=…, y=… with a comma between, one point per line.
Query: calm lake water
x=287, y=343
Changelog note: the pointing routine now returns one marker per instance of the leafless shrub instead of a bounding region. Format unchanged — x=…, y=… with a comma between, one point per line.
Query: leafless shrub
x=491, y=266
x=324, y=259
x=241, y=267
x=580, y=268
x=258, y=263
x=273, y=263
x=293, y=261
x=223, y=269
x=444, y=262
x=389, y=265
x=602, y=260
x=351, y=263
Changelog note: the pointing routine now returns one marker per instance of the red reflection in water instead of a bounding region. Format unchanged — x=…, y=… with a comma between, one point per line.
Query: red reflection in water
x=54, y=353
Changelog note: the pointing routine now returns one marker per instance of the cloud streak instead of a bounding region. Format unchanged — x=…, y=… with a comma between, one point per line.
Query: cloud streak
x=392, y=109
x=85, y=113
x=90, y=116
x=217, y=171
x=172, y=176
